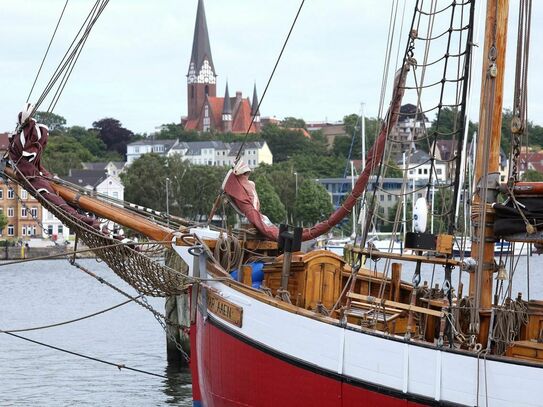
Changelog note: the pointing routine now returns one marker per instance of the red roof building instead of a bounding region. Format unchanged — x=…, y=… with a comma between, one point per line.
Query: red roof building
x=206, y=111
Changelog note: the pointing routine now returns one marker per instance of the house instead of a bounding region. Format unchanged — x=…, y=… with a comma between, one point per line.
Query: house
x=419, y=167
x=218, y=153
x=111, y=167
x=215, y=153
x=23, y=212
x=98, y=181
x=411, y=126
x=136, y=149
x=206, y=111
x=330, y=131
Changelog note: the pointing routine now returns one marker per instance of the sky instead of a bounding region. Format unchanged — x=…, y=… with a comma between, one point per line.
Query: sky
x=134, y=64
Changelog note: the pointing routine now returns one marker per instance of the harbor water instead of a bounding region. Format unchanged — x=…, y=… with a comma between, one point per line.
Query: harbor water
x=47, y=292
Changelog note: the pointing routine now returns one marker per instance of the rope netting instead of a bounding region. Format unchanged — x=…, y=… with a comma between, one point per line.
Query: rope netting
x=145, y=274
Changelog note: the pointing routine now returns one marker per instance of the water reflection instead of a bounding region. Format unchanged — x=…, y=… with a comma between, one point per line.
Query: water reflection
x=177, y=387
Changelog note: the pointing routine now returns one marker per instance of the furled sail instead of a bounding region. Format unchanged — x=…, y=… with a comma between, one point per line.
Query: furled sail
x=242, y=194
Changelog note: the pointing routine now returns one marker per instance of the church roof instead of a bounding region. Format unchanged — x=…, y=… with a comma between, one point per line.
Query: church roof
x=201, y=48
x=242, y=118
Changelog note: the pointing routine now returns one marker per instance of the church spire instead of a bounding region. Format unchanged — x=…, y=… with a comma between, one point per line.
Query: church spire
x=201, y=78
x=227, y=107
x=254, y=106
x=201, y=61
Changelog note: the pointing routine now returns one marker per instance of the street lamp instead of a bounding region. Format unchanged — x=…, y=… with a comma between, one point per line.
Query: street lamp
x=296, y=187
x=167, y=201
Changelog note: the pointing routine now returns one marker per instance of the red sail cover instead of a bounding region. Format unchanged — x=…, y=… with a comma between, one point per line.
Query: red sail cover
x=242, y=194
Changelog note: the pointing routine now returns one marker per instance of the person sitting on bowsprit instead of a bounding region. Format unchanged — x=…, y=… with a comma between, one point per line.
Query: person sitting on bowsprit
x=26, y=147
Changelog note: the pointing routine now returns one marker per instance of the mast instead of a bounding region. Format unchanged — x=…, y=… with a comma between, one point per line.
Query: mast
x=487, y=164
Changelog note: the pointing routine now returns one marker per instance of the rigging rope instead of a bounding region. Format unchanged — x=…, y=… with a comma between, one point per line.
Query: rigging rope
x=46, y=51
x=238, y=155
x=120, y=366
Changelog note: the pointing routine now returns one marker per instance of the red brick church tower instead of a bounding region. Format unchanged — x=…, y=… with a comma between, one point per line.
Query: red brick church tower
x=206, y=111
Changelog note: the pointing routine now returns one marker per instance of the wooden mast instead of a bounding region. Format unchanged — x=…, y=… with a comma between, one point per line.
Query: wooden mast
x=487, y=160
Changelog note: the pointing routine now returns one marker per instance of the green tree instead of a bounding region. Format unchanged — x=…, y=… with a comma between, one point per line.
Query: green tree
x=532, y=176
x=285, y=143
x=145, y=181
x=53, y=121
x=64, y=153
x=113, y=134
x=351, y=123
x=270, y=203
x=313, y=203
x=293, y=123
x=281, y=176
x=3, y=221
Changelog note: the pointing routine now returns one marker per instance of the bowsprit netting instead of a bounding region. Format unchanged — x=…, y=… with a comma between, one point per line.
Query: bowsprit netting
x=143, y=273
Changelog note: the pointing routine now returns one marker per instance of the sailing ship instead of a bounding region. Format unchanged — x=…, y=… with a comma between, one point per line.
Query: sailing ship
x=273, y=326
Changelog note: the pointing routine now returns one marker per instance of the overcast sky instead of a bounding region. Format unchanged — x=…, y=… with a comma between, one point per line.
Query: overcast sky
x=134, y=64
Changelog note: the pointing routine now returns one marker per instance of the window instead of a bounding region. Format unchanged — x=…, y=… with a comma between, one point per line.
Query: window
x=389, y=198
x=438, y=170
x=11, y=212
x=24, y=194
x=425, y=171
x=23, y=230
x=1, y=193
x=11, y=230
x=34, y=212
x=115, y=194
x=420, y=171
x=136, y=149
x=50, y=230
x=60, y=229
x=11, y=194
x=23, y=212
x=381, y=198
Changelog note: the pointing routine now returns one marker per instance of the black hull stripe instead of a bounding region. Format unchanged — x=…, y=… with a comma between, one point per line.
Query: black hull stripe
x=323, y=372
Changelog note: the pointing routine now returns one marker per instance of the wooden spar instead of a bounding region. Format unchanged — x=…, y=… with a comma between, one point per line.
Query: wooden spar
x=114, y=213
x=490, y=121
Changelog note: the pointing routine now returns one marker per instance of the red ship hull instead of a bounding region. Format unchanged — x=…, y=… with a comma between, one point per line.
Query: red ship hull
x=234, y=371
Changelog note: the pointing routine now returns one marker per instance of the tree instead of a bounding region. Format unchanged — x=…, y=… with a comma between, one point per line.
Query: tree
x=293, y=123
x=3, y=221
x=532, y=176
x=313, y=203
x=351, y=124
x=53, y=121
x=285, y=143
x=281, y=176
x=270, y=203
x=113, y=134
x=145, y=181
x=63, y=153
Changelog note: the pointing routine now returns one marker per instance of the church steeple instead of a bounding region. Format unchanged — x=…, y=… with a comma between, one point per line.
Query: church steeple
x=201, y=77
x=227, y=111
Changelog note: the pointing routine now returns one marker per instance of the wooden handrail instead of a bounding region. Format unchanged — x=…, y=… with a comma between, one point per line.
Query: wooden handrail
x=395, y=304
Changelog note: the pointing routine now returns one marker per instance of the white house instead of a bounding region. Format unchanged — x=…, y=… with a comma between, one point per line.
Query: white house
x=215, y=153
x=110, y=167
x=419, y=167
x=136, y=149
x=53, y=228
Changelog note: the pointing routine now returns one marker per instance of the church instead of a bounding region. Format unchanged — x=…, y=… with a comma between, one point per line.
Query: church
x=206, y=111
